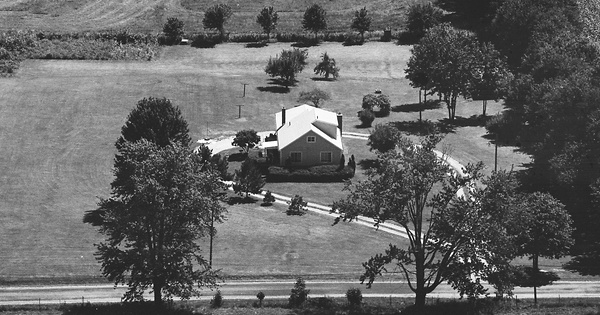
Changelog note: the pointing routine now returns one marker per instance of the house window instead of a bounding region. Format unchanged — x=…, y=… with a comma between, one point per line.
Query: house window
x=311, y=139
x=325, y=157
x=296, y=157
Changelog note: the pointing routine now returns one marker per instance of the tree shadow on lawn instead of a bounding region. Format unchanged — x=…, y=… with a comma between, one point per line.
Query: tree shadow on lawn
x=416, y=107
x=473, y=121
x=237, y=157
x=425, y=127
x=235, y=200
x=322, y=79
x=306, y=43
x=366, y=164
x=422, y=128
x=275, y=86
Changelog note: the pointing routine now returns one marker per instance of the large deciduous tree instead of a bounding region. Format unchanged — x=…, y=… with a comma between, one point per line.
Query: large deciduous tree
x=361, y=22
x=489, y=75
x=216, y=17
x=518, y=22
x=450, y=236
x=151, y=229
x=246, y=139
x=545, y=232
x=267, y=19
x=315, y=19
x=155, y=120
x=442, y=61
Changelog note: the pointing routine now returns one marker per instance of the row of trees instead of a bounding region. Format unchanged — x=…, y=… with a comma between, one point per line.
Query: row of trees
x=464, y=233
x=543, y=63
x=553, y=110
x=287, y=65
x=314, y=20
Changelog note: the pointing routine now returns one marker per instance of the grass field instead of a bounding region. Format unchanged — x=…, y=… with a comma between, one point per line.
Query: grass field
x=150, y=15
x=59, y=121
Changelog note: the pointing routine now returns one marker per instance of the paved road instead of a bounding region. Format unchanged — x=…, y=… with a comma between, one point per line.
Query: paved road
x=33, y=295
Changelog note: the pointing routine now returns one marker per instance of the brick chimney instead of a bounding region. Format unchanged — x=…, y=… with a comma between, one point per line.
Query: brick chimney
x=283, y=116
x=339, y=119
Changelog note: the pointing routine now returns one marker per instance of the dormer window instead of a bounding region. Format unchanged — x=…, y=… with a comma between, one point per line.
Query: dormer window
x=311, y=139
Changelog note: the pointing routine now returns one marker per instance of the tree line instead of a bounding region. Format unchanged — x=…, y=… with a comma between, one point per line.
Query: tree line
x=538, y=56
x=314, y=20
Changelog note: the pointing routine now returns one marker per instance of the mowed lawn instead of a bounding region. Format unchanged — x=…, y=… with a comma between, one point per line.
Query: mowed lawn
x=59, y=121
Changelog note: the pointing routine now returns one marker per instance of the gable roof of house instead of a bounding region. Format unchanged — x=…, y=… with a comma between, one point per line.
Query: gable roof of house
x=305, y=118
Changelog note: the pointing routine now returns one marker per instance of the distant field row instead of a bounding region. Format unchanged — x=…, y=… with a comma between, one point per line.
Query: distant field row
x=150, y=15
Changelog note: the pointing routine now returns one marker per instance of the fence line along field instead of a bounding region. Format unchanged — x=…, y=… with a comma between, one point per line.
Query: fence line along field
x=59, y=121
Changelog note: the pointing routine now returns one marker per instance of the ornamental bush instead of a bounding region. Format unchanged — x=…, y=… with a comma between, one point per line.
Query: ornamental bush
x=297, y=206
x=381, y=101
x=268, y=199
x=354, y=296
x=366, y=117
x=217, y=300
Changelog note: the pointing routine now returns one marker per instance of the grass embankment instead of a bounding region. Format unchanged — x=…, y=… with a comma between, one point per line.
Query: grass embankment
x=59, y=121
x=378, y=306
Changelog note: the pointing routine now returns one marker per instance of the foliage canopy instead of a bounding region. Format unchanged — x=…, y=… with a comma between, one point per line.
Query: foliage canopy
x=216, y=16
x=246, y=139
x=451, y=237
x=361, y=22
x=267, y=19
x=315, y=19
x=327, y=67
x=287, y=65
x=151, y=229
x=173, y=29
x=315, y=96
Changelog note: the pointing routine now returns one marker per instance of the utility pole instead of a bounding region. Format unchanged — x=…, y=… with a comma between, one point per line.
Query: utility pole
x=496, y=153
x=212, y=222
x=244, y=89
x=239, y=110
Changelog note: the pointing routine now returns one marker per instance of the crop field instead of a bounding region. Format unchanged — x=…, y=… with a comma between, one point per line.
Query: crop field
x=59, y=121
x=150, y=15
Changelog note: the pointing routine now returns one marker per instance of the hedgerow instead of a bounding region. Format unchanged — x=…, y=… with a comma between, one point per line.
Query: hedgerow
x=320, y=173
x=16, y=45
x=8, y=63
